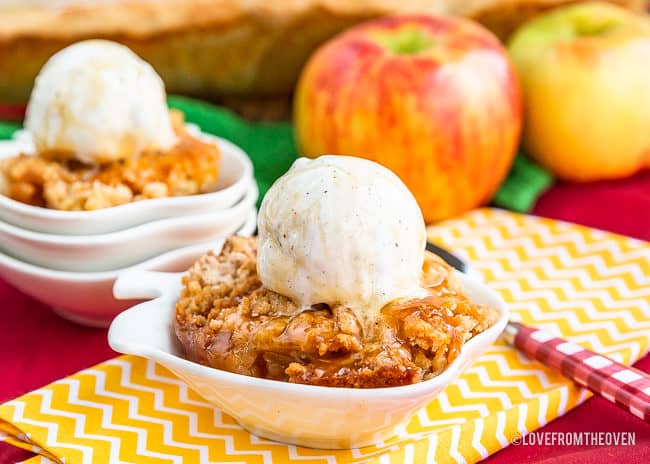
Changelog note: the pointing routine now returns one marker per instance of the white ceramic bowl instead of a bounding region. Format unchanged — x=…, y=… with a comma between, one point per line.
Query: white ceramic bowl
x=115, y=250
x=87, y=298
x=235, y=175
x=306, y=415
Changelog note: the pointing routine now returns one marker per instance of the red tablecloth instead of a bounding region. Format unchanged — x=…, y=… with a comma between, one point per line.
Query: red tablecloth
x=38, y=347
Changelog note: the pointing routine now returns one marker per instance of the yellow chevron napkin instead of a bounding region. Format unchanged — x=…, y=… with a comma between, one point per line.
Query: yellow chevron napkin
x=590, y=286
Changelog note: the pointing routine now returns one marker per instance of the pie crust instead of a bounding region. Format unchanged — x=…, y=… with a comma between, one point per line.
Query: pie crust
x=214, y=48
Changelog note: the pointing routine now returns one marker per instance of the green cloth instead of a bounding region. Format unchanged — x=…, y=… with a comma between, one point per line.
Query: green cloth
x=271, y=148
x=269, y=144
x=7, y=129
x=525, y=183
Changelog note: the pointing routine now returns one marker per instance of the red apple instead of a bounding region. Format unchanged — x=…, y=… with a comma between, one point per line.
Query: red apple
x=434, y=99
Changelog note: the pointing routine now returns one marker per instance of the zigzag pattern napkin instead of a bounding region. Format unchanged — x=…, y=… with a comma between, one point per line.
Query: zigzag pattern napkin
x=589, y=286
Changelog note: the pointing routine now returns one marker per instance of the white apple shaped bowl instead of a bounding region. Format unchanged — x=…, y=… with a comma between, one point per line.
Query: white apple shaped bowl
x=306, y=415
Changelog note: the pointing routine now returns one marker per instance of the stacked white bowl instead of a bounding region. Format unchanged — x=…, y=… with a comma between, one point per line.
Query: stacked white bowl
x=69, y=260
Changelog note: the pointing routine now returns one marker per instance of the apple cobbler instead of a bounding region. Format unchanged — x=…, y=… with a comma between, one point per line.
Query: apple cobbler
x=227, y=319
x=190, y=166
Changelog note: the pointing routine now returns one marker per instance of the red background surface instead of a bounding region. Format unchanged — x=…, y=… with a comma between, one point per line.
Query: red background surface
x=38, y=347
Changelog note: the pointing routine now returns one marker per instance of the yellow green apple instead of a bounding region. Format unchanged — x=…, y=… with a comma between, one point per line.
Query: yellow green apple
x=585, y=76
x=434, y=99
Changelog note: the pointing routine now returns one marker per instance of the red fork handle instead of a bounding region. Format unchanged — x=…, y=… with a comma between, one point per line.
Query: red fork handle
x=624, y=386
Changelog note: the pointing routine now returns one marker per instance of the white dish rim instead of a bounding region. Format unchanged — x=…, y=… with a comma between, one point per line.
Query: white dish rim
x=247, y=228
x=249, y=197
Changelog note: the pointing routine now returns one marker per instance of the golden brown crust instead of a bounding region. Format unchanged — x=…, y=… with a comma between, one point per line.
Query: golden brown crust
x=226, y=318
x=207, y=48
x=215, y=48
x=190, y=167
x=144, y=18
x=141, y=18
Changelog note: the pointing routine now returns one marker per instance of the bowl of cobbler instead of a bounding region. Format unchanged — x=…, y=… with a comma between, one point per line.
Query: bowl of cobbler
x=101, y=151
x=329, y=329
x=104, y=177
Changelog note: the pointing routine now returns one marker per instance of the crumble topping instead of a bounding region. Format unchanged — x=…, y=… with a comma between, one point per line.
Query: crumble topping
x=190, y=167
x=226, y=318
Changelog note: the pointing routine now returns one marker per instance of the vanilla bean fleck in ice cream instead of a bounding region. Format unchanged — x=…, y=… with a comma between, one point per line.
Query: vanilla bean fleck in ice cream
x=341, y=230
x=96, y=101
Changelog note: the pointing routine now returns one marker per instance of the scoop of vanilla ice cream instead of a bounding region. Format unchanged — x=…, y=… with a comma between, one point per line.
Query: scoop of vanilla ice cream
x=341, y=230
x=97, y=101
